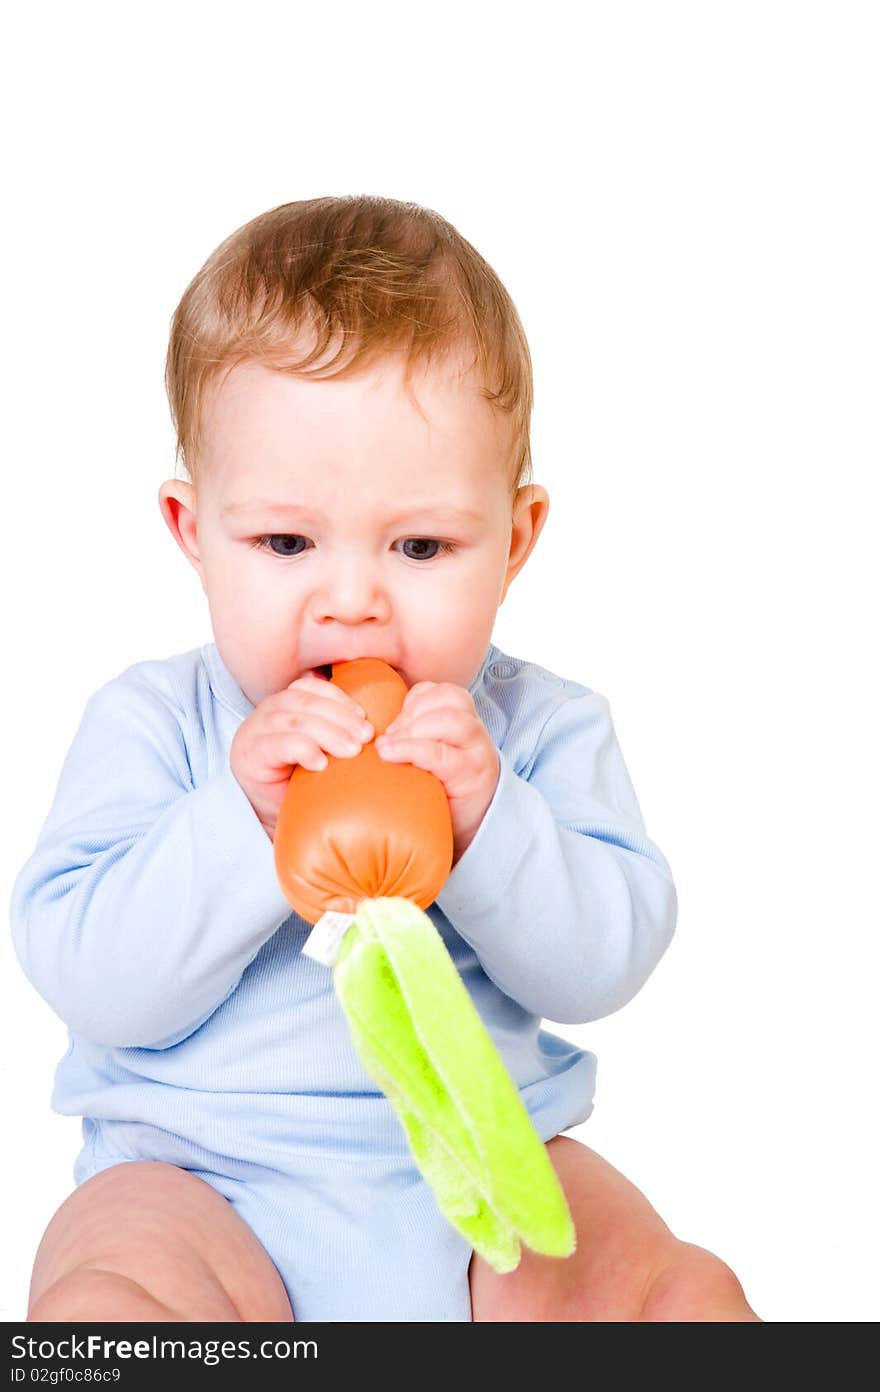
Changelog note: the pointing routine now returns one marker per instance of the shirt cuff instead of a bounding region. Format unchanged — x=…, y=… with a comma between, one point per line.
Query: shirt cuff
x=503, y=838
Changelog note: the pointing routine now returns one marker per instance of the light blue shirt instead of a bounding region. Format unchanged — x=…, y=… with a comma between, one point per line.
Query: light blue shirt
x=150, y=918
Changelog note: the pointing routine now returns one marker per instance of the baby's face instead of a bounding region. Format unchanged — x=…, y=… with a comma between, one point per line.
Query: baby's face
x=333, y=522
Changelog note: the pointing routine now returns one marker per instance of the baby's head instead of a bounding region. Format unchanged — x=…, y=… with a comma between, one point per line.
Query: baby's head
x=351, y=388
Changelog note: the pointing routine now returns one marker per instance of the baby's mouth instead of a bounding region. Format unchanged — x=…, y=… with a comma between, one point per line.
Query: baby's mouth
x=326, y=671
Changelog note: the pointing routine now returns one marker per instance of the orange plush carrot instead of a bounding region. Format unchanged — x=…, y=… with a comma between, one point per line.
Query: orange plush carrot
x=363, y=827
x=362, y=847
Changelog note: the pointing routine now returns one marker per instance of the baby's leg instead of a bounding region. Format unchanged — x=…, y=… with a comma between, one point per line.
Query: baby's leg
x=144, y=1240
x=627, y=1265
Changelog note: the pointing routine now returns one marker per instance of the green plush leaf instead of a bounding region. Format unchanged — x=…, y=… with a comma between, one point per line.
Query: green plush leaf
x=421, y=1039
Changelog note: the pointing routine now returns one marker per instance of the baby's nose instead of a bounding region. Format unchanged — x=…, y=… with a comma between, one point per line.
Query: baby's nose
x=351, y=598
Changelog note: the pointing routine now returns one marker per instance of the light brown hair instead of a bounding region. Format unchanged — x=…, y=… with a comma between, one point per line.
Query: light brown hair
x=374, y=273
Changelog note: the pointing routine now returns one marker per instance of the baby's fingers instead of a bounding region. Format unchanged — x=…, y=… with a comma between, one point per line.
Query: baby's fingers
x=308, y=744
x=326, y=690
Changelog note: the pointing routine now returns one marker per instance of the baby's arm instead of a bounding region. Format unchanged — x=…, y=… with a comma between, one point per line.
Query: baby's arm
x=566, y=902
x=145, y=898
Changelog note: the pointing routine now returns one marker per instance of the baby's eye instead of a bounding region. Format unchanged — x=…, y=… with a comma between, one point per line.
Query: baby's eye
x=419, y=542
x=265, y=543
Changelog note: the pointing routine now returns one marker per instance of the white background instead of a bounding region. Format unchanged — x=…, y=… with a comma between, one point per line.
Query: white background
x=682, y=199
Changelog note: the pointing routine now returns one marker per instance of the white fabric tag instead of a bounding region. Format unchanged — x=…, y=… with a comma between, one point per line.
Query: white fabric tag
x=323, y=942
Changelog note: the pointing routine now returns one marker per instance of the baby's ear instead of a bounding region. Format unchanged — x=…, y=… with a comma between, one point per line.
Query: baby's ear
x=178, y=506
x=530, y=509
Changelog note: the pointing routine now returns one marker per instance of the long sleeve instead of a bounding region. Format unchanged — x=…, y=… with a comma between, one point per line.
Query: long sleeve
x=565, y=901
x=145, y=898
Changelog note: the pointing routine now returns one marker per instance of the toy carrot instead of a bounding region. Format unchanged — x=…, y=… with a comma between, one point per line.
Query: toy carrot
x=362, y=847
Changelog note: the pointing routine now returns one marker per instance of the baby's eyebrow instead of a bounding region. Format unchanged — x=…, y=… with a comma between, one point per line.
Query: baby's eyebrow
x=445, y=511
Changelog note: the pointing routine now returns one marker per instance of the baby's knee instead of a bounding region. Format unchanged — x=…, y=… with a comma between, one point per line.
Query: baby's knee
x=695, y=1285
x=91, y=1293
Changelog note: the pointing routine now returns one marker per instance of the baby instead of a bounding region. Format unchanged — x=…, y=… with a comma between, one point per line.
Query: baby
x=351, y=388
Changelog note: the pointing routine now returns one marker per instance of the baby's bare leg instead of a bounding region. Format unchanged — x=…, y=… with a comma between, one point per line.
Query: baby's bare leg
x=627, y=1266
x=144, y=1240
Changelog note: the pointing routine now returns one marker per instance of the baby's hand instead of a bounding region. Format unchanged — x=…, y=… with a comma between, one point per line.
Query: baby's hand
x=439, y=729
x=294, y=726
